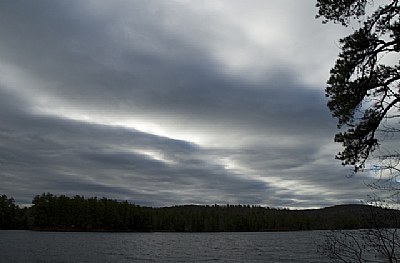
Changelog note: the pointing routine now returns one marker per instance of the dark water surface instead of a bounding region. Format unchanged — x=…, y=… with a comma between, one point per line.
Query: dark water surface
x=31, y=246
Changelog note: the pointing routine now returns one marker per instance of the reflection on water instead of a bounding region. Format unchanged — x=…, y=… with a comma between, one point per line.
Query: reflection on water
x=29, y=246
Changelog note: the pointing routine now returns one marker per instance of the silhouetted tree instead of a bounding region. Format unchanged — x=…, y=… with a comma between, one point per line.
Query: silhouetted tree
x=363, y=88
x=364, y=95
x=7, y=212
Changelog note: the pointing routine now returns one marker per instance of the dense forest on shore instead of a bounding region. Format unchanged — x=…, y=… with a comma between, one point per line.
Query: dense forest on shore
x=63, y=213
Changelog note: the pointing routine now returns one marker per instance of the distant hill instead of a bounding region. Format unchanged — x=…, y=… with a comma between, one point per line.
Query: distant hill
x=353, y=216
x=63, y=213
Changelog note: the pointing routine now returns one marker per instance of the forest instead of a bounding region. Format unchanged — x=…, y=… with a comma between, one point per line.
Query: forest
x=62, y=213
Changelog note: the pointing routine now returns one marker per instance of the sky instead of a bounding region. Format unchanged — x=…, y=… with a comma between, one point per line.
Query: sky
x=170, y=102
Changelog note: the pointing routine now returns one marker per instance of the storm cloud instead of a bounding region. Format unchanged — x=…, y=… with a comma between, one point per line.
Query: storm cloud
x=170, y=102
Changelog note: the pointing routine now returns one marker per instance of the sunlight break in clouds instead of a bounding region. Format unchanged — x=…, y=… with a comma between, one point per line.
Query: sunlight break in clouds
x=170, y=102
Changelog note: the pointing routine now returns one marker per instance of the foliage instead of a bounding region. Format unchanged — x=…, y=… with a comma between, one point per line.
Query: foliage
x=11, y=216
x=7, y=212
x=63, y=213
x=363, y=88
x=364, y=95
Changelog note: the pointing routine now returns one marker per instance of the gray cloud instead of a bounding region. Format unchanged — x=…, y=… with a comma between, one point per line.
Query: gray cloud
x=168, y=103
x=40, y=153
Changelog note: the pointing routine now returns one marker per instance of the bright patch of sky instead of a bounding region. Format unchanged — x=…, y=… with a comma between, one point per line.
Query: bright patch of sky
x=170, y=102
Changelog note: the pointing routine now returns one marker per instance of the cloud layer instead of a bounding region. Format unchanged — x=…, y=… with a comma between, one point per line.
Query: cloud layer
x=173, y=102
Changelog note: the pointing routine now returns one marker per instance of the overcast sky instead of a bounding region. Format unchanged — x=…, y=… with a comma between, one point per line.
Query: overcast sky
x=170, y=102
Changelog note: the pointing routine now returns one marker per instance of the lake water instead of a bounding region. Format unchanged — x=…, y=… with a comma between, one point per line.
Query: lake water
x=31, y=246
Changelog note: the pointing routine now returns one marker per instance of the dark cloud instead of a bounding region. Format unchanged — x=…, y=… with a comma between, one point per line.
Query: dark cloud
x=41, y=153
x=146, y=101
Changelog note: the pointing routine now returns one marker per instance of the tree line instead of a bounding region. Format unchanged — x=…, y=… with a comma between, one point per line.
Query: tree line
x=63, y=213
